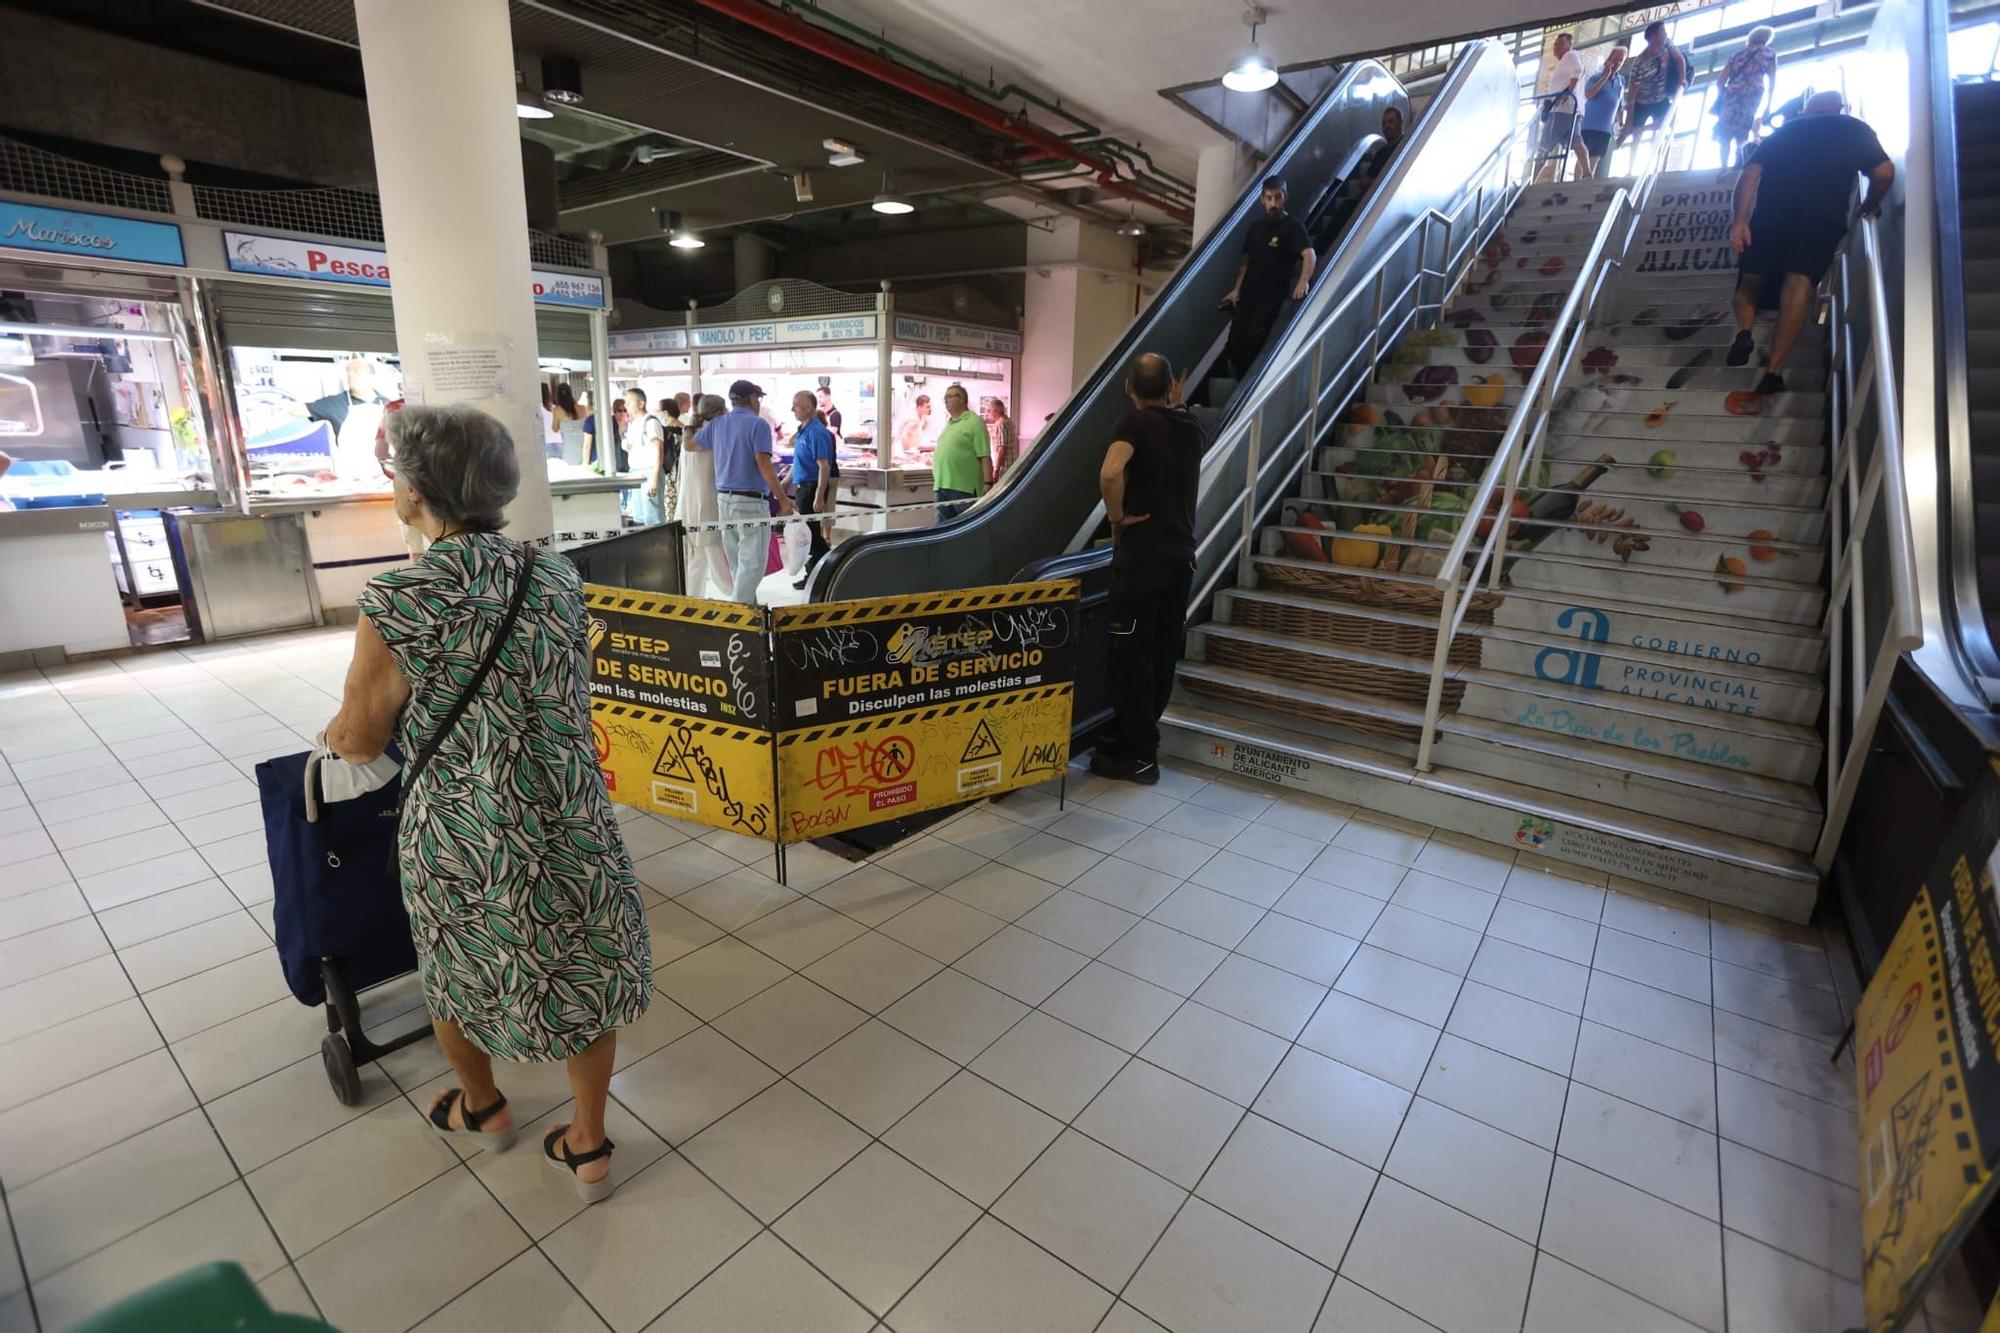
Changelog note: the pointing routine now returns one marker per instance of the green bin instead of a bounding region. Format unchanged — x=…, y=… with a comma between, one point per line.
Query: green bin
x=214, y=1298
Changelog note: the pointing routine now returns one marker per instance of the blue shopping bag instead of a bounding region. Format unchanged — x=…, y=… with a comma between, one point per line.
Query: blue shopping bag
x=339, y=892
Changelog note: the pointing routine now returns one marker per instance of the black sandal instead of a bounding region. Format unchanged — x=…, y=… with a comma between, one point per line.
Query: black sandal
x=499, y=1140
x=590, y=1191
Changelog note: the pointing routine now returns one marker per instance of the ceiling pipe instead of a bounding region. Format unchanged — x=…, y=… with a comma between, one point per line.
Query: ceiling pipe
x=804, y=35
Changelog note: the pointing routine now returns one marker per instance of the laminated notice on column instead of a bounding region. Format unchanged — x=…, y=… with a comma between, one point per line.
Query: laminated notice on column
x=458, y=371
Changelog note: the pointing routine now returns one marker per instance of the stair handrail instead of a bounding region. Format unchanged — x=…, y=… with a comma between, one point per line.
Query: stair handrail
x=1520, y=449
x=1858, y=685
x=1491, y=205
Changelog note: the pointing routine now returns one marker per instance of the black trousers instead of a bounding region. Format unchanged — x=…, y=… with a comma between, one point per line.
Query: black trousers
x=1148, y=634
x=803, y=500
x=1249, y=329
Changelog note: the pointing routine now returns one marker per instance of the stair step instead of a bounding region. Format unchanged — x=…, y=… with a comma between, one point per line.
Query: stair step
x=1724, y=742
x=1703, y=474
x=1720, y=525
x=1776, y=663
x=1663, y=358
x=1602, y=393
x=1719, y=867
x=1729, y=635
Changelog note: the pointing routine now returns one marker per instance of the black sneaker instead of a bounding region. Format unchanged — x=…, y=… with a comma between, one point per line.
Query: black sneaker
x=1770, y=384
x=1125, y=767
x=1739, y=351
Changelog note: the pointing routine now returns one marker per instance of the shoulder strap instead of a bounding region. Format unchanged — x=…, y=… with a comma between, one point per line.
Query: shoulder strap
x=465, y=697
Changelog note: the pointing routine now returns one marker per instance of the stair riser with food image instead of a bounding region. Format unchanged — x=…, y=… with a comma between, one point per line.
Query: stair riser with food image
x=1783, y=825
x=1607, y=386
x=1660, y=367
x=1729, y=589
x=1655, y=518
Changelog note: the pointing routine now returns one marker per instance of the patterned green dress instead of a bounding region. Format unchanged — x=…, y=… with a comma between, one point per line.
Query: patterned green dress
x=531, y=934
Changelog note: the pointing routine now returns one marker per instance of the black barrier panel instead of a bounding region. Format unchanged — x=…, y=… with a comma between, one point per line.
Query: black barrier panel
x=648, y=559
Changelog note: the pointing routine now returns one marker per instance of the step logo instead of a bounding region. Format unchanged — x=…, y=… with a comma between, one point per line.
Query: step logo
x=1567, y=666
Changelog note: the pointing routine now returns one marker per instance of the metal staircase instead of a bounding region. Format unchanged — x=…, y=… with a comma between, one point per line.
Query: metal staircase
x=1559, y=578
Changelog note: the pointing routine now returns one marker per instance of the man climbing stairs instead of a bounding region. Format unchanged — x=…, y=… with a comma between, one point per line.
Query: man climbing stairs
x=1642, y=692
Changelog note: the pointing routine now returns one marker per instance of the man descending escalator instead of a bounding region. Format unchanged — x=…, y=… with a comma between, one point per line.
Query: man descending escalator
x=1149, y=480
x=1277, y=263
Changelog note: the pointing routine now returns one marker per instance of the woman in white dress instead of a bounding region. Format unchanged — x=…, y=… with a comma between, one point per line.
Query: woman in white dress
x=697, y=503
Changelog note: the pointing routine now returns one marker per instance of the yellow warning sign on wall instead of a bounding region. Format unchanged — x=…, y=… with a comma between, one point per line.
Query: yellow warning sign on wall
x=1927, y=1053
x=893, y=705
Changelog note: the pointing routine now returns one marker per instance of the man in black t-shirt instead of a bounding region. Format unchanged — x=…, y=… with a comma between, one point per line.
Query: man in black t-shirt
x=1791, y=214
x=1149, y=480
x=1275, y=246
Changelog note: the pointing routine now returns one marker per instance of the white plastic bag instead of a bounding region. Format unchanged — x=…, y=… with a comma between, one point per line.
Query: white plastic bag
x=342, y=781
x=796, y=546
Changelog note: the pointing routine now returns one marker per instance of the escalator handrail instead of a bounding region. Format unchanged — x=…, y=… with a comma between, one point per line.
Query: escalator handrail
x=1223, y=234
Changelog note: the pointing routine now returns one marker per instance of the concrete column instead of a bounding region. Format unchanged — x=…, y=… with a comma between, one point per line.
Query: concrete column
x=440, y=81
x=1075, y=309
x=753, y=258
x=1215, y=185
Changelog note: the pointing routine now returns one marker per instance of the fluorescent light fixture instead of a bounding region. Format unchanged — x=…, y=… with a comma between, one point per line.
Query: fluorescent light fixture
x=679, y=234
x=888, y=201
x=840, y=153
x=1254, y=73
x=562, y=81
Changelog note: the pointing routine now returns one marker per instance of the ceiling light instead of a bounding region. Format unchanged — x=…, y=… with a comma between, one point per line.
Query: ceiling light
x=527, y=106
x=840, y=153
x=679, y=234
x=802, y=187
x=562, y=81
x=1132, y=227
x=890, y=202
x=1254, y=73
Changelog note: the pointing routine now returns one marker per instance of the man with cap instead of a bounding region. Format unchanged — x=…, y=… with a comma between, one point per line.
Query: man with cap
x=746, y=484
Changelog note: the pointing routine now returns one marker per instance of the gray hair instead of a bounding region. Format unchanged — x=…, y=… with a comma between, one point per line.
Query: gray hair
x=711, y=407
x=459, y=460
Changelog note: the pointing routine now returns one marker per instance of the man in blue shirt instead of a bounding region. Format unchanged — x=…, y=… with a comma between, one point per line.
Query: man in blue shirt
x=814, y=466
x=746, y=485
x=1603, y=93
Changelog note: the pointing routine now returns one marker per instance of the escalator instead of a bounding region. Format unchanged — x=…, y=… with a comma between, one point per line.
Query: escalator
x=1050, y=508
x=1976, y=121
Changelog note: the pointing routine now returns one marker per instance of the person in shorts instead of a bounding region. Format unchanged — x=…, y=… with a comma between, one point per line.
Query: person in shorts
x=1791, y=215
x=1602, y=94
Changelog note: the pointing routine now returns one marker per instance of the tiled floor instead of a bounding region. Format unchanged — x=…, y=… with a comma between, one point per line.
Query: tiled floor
x=1189, y=1057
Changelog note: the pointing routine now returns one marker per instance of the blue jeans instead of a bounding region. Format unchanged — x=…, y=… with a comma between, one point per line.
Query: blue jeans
x=748, y=546
x=952, y=503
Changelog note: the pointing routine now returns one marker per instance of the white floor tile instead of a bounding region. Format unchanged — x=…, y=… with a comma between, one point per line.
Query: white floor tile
x=1792, y=1209
x=1495, y=1177
x=1482, y=865
x=1781, y=1003
x=1000, y=891
x=1330, y=907
x=1261, y=995
x=1371, y=1039
x=873, y=971
x=1298, y=947
x=160, y=962
x=1640, y=910
x=1352, y=1306
x=183, y=1008
x=1165, y=957
x=177, y=867
x=1078, y=922
x=1670, y=1020
x=1212, y=1271
x=1349, y=1111
x=1022, y=964
x=30, y=1006
x=774, y=1150
x=1514, y=1026
x=1242, y=877
x=1530, y=974
x=1370, y=876
x=1555, y=891
x=683, y=1088
x=954, y=1015
x=790, y=1023
x=1170, y=852
x=51, y=1132
x=1161, y=1121
x=315, y=1192
x=1056, y=860
x=1663, y=1254
x=800, y=933
x=51, y=949
x=651, y=1242
x=1093, y=1209
x=1208, y=915
x=1306, y=816
x=262, y=1121
x=1757, y=951
x=995, y=1281
x=1274, y=847
x=1415, y=990
x=734, y=900
x=164, y=913
x=1444, y=1266
x=59, y=1055
x=1523, y=923
x=1379, y=836
x=527, y=1292
x=1768, y=1289
x=1446, y=899
x=36, y=911
x=1217, y=1052
x=1126, y=885
x=1113, y=1006
x=1661, y=966
x=717, y=977
x=973, y=1136
x=1523, y=1099
x=941, y=927
x=1660, y=1155
x=1791, y=1060
x=1801, y=1130
x=1426, y=939
x=1213, y=828
x=1565, y=1299
x=874, y=1076
x=1647, y=1073
x=1289, y=1187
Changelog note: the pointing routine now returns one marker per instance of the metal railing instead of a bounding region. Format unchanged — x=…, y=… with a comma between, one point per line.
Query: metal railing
x=1873, y=614
x=1519, y=453
x=1269, y=459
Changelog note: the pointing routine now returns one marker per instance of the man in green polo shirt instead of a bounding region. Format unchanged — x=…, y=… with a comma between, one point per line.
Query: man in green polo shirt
x=962, y=463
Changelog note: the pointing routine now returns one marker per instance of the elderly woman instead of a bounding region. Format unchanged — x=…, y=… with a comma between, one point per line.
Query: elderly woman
x=530, y=931
x=1740, y=93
